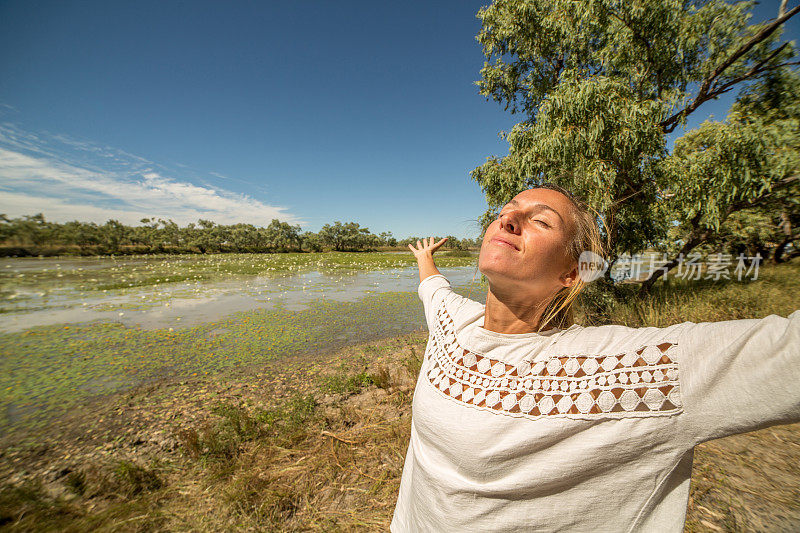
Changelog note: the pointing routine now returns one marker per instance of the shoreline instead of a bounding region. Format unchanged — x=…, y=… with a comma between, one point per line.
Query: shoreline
x=226, y=385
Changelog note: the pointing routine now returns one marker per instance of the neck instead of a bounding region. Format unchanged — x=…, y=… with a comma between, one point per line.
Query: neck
x=509, y=313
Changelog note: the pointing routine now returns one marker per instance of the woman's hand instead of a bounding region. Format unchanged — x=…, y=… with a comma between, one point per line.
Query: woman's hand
x=424, y=254
x=426, y=249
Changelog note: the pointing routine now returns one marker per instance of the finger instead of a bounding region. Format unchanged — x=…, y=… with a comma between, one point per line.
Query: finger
x=419, y=246
x=412, y=248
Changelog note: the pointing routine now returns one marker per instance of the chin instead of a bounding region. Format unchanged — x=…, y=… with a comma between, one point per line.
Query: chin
x=494, y=263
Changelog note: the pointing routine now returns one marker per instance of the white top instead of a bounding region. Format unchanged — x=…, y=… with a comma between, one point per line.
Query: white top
x=583, y=429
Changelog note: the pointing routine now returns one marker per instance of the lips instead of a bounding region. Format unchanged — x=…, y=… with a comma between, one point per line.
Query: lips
x=503, y=242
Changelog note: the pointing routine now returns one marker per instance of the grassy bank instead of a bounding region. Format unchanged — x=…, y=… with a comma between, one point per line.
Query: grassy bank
x=295, y=444
x=48, y=370
x=318, y=442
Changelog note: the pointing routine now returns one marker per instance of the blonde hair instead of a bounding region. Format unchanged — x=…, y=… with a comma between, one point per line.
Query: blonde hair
x=586, y=237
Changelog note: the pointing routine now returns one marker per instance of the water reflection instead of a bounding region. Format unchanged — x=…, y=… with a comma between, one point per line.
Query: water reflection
x=184, y=304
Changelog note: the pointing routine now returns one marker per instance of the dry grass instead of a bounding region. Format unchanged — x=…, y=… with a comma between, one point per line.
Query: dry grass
x=748, y=482
x=775, y=291
x=320, y=448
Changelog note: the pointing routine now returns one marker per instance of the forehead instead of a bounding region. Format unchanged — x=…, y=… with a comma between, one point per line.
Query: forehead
x=548, y=196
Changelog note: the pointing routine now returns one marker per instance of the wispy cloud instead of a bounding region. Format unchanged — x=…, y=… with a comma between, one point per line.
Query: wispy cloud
x=68, y=179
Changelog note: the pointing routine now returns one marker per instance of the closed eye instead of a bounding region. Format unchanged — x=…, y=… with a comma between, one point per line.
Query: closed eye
x=537, y=220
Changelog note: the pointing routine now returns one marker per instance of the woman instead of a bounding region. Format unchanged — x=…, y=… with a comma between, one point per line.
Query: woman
x=525, y=421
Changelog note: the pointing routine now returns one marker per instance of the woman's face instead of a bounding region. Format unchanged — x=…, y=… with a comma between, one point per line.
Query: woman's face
x=525, y=247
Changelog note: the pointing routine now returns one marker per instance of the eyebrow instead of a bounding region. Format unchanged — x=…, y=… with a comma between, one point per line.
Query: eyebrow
x=542, y=207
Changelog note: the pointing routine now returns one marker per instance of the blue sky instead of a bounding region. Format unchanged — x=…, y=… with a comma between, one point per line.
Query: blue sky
x=308, y=112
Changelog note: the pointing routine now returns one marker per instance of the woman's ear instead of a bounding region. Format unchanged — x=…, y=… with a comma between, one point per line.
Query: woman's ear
x=569, y=278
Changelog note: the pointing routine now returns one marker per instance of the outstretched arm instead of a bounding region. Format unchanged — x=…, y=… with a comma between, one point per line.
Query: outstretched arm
x=740, y=375
x=424, y=254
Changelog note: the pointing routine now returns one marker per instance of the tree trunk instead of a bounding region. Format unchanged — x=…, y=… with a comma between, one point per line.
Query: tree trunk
x=607, y=273
x=693, y=239
x=786, y=227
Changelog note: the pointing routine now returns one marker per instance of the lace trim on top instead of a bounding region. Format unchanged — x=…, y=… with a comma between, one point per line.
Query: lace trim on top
x=641, y=382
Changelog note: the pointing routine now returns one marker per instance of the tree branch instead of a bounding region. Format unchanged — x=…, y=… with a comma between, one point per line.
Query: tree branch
x=703, y=94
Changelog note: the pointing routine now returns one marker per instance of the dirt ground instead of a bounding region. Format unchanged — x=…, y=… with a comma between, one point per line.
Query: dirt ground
x=748, y=482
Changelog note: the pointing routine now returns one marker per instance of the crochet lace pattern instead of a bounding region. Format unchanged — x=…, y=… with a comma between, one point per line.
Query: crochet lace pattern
x=640, y=382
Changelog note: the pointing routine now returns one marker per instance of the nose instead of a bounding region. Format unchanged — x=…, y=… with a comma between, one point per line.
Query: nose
x=509, y=221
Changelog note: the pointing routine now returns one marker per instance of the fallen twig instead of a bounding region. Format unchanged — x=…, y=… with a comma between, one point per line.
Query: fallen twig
x=329, y=434
x=365, y=474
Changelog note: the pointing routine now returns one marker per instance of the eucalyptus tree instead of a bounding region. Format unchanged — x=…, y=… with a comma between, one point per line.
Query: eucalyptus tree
x=147, y=233
x=77, y=233
x=200, y=236
x=600, y=84
x=311, y=241
x=207, y=238
x=27, y=230
x=171, y=233
x=243, y=237
x=348, y=236
x=387, y=239
x=281, y=236
x=749, y=232
x=6, y=228
x=114, y=234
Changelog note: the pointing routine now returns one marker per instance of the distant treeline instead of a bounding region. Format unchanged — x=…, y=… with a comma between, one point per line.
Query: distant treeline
x=33, y=235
